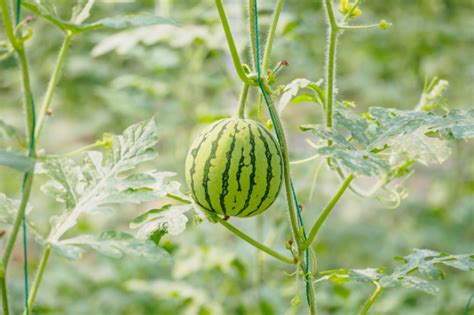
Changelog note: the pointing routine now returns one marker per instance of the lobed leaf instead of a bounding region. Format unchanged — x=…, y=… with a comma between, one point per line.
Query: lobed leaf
x=111, y=243
x=425, y=261
x=98, y=183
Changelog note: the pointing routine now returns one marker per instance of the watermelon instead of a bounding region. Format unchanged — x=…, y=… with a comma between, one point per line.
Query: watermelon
x=234, y=168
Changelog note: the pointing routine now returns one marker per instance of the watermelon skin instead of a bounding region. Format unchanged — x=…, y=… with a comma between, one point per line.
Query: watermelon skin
x=234, y=168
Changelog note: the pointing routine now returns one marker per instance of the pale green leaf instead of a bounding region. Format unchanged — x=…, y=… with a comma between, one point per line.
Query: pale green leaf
x=291, y=90
x=98, y=183
x=79, y=15
x=113, y=244
x=169, y=218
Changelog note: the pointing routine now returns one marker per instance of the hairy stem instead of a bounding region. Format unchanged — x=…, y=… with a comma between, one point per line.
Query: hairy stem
x=331, y=76
x=232, y=47
x=358, y=27
x=295, y=226
x=253, y=45
x=368, y=304
x=327, y=210
x=28, y=177
x=330, y=62
x=7, y=21
x=53, y=82
x=243, y=100
x=254, y=242
x=39, y=276
x=271, y=36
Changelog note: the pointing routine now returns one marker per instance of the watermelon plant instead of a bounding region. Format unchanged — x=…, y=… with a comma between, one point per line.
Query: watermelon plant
x=235, y=168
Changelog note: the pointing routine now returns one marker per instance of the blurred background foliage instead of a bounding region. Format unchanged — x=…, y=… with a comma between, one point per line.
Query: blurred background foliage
x=184, y=77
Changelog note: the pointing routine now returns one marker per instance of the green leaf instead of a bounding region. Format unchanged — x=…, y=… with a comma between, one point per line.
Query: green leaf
x=340, y=276
x=99, y=182
x=385, y=142
x=291, y=90
x=113, y=244
x=409, y=282
x=419, y=147
x=126, y=21
x=16, y=161
x=425, y=261
x=169, y=218
x=79, y=15
x=147, y=216
x=356, y=161
x=359, y=162
x=81, y=11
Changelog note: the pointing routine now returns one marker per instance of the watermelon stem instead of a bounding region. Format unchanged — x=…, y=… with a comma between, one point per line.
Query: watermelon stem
x=243, y=100
x=254, y=242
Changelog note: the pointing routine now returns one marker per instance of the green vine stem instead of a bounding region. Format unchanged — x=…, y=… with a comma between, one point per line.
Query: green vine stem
x=330, y=61
x=295, y=226
x=368, y=304
x=28, y=177
x=18, y=45
x=254, y=242
x=242, y=101
x=38, y=276
x=271, y=36
x=53, y=83
x=253, y=46
x=241, y=234
x=232, y=47
x=327, y=210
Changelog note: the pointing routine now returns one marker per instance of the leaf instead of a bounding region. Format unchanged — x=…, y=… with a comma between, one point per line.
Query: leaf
x=113, y=244
x=9, y=208
x=409, y=282
x=292, y=89
x=386, y=142
x=356, y=161
x=16, y=161
x=359, y=162
x=425, y=261
x=359, y=275
x=76, y=25
x=82, y=12
x=99, y=182
x=419, y=147
x=168, y=218
x=127, y=21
